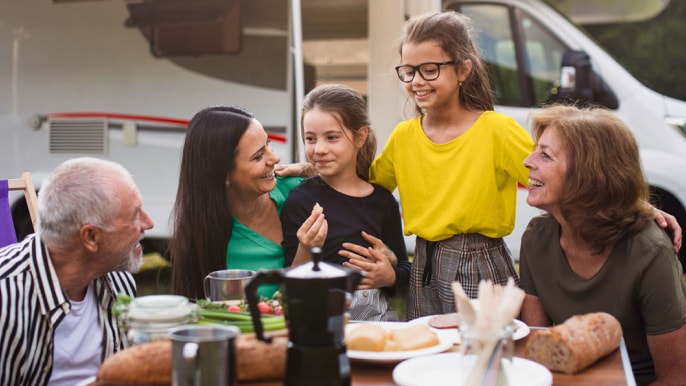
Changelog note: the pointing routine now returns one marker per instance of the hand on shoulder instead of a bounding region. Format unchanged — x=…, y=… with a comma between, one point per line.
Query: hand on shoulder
x=300, y=169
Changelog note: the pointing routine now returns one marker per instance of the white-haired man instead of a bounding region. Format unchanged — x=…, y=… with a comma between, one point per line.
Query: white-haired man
x=58, y=286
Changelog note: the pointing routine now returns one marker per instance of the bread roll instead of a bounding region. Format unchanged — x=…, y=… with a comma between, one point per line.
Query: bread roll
x=414, y=337
x=366, y=337
x=575, y=344
x=144, y=364
x=372, y=337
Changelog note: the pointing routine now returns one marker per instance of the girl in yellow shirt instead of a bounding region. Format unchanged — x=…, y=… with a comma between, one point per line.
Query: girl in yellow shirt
x=456, y=165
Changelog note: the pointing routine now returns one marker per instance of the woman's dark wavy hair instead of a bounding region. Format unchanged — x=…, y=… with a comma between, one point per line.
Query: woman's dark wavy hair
x=201, y=220
x=604, y=190
x=453, y=33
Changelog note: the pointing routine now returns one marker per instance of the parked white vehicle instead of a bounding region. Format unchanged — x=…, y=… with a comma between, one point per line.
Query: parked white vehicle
x=119, y=79
x=113, y=79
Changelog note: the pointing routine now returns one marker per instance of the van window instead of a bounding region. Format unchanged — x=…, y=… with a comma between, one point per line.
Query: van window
x=523, y=57
x=543, y=54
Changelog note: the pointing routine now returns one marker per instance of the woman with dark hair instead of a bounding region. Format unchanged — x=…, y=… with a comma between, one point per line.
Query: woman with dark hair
x=597, y=248
x=226, y=214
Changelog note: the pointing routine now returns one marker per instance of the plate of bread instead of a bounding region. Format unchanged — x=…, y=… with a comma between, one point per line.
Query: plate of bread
x=448, y=324
x=392, y=342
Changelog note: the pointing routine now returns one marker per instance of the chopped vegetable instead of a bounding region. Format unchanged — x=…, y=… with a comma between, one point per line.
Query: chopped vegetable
x=242, y=320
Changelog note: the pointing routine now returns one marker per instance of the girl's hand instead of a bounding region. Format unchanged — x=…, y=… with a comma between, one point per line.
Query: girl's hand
x=669, y=223
x=313, y=231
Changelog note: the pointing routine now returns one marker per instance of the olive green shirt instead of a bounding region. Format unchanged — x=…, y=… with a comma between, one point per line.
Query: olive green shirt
x=640, y=284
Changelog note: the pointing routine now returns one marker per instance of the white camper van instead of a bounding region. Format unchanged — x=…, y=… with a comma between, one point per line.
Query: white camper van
x=119, y=79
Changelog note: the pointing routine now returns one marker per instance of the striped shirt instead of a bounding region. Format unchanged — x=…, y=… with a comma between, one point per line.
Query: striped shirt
x=32, y=304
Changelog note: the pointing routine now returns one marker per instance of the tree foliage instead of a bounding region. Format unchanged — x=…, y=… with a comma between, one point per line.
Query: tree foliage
x=652, y=50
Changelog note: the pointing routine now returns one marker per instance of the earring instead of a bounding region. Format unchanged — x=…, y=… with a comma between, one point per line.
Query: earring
x=227, y=184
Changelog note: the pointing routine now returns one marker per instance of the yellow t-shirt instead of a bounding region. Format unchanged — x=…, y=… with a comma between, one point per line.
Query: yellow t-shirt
x=466, y=185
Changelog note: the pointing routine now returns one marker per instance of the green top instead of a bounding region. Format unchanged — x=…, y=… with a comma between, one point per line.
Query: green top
x=250, y=250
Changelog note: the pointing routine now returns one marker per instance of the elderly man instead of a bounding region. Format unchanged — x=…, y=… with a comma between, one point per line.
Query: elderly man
x=58, y=286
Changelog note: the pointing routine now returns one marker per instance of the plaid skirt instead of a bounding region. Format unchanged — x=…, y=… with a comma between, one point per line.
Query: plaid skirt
x=467, y=258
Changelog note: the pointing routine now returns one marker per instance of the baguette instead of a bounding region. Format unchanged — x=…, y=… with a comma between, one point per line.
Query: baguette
x=575, y=344
x=260, y=361
x=150, y=363
x=143, y=364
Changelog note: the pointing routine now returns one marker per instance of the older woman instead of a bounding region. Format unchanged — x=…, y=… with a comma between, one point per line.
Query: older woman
x=598, y=248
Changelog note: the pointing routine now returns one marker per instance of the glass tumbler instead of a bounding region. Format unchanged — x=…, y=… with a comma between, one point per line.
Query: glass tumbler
x=485, y=356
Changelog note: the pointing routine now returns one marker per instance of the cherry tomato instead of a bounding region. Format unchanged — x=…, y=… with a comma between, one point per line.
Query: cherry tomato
x=264, y=308
x=234, y=308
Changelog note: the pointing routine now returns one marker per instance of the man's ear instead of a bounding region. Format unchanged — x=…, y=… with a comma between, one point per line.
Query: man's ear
x=90, y=236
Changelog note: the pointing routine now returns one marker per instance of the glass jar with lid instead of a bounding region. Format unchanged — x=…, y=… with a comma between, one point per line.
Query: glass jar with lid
x=151, y=317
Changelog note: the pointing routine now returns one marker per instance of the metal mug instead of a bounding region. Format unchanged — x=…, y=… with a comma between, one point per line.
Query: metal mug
x=204, y=355
x=226, y=285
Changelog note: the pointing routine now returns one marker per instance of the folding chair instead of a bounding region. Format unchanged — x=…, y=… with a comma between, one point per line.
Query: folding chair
x=25, y=183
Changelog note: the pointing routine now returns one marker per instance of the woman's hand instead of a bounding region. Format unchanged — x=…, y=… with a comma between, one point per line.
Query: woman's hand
x=301, y=169
x=669, y=223
x=375, y=242
x=376, y=261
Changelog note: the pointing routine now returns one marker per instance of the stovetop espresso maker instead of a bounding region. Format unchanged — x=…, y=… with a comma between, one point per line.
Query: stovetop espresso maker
x=315, y=296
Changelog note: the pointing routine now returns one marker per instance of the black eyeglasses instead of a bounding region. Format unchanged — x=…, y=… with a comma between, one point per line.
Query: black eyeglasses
x=428, y=71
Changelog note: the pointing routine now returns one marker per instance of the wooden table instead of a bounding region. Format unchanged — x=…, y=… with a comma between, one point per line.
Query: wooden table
x=615, y=369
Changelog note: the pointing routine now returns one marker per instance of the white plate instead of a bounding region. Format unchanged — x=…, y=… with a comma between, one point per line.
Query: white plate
x=446, y=369
x=521, y=330
x=396, y=356
x=86, y=381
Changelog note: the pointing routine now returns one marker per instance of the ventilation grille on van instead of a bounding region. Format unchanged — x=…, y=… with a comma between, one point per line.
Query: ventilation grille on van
x=78, y=136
